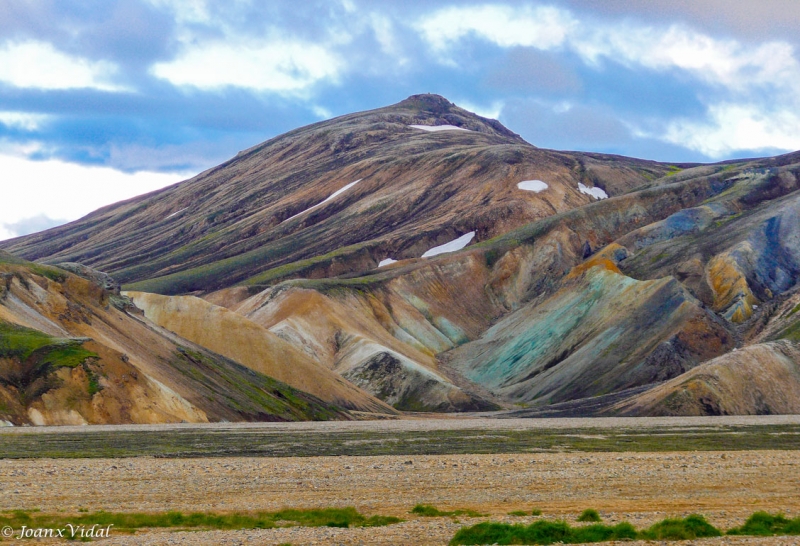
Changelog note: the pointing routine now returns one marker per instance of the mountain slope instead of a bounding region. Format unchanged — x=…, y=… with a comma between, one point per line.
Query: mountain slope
x=244, y=220
x=74, y=352
x=243, y=341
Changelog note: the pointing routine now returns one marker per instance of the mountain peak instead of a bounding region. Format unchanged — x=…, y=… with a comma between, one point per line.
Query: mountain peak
x=428, y=102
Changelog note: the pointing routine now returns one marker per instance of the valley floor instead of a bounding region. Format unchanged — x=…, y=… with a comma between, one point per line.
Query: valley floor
x=641, y=487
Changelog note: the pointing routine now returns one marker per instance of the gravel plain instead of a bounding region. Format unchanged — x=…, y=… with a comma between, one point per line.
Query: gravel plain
x=641, y=488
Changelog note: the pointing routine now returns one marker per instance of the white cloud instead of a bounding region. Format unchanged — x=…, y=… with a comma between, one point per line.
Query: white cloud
x=733, y=127
x=57, y=189
x=23, y=120
x=185, y=11
x=39, y=65
x=280, y=66
x=491, y=111
x=717, y=62
x=542, y=27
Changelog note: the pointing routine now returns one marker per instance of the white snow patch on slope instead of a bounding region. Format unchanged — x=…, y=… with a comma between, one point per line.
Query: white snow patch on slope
x=452, y=246
x=532, y=185
x=332, y=196
x=597, y=193
x=435, y=128
x=387, y=261
x=175, y=213
x=6, y=424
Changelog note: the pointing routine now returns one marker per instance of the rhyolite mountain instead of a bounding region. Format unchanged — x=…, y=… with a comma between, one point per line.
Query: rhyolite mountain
x=421, y=258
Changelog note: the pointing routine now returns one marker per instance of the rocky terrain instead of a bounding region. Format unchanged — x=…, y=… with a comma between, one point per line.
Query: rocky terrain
x=641, y=488
x=379, y=265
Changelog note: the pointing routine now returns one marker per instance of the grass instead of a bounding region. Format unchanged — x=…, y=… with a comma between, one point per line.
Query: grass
x=542, y=532
x=428, y=511
x=765, y=524
x=550, y=532
x=50, y=272
x=688, y=528
x=197, y=441
x=590, y=514
x=534, y=512
x=130, y=522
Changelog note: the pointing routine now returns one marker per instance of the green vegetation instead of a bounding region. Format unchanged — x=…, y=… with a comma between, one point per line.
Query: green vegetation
x=130, y=522
x=249, y=392
x=688, y=528
x=428, y=511
x=542, y=532
x=518, y=513
x=791, y=332
x=198, y=441
x=589, y=514
x=765, y=524
x=52, y=273
x=536, y=512
x=794, y=310
x=38, y=353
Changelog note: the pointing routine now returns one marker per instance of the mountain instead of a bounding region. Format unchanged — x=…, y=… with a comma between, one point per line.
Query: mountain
x=431, y=260
x=74, y=351
x=263, y=215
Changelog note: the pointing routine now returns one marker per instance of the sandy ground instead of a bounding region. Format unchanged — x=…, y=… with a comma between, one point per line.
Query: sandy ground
x=639, y=487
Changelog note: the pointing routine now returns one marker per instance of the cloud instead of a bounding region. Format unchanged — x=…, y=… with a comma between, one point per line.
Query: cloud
x=530, y=70
x=55, y=189
x=734, y=127
x=542, y=27
x=33, y=64
x=748, y=92
x=279, y=66
x=26, y=121
x=34, y=224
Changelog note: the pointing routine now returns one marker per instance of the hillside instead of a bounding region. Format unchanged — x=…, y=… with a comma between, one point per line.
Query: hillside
x=380, y=265
x=74, y=351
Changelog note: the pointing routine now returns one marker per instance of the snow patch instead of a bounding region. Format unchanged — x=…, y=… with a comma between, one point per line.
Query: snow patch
x=436, y=128
x=387, y=261
x=452, y=246
x=175, y=213
x=597, y=193
x=532, y=185
x=332, y=196
x=6, y=423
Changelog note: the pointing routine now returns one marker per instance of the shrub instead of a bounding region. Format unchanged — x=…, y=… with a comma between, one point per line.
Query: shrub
x=689, y=528
x=765, y=524
x=589, y=514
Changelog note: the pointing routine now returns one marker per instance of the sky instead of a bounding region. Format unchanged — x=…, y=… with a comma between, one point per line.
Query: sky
x=102, y=100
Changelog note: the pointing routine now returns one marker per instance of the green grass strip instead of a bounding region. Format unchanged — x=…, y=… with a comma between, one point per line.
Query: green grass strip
x=428, y=511
x=542, y=532
x=551, y=532
x=130, y=522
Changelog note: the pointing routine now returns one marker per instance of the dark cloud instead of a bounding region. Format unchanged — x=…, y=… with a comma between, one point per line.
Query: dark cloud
x=533, y=71
x=586, y=128
x=745, y=19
